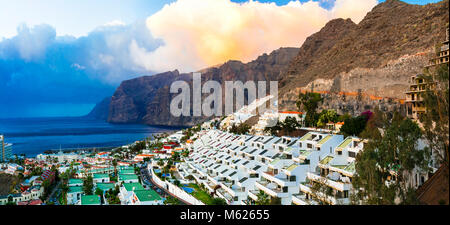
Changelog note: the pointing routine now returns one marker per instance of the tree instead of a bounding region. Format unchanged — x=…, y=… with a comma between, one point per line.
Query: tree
x=310, y=102
x=290, y=124
x=273, y=130
x=88, y=185
x=435, y=120
x=354, y=126
x=383, y=167
x=218, y=201
x=114, y=163
x=242, y=128
x=263, y=198
x=327, y=116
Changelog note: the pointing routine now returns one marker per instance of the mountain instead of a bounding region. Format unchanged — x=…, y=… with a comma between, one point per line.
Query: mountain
x=147, y=99
x=358, y=66
x=101, y=110
x=354, y=66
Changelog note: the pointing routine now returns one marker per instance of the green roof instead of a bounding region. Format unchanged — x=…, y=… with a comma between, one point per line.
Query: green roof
x=105, y=186
x=325, y=139
x=305, y=153
x=75, y=189
x=340, y=166
x=128, y=177
x=147, y=195
x=306, y=137
x=126, y=168
x=291, y=168
x=351, y=168
x=345, y=142
x=75, y=181
x=127, y=171
x=100, y=175
x=90, y=200
x=326, y=160
x=274, y=161
x=136, y=186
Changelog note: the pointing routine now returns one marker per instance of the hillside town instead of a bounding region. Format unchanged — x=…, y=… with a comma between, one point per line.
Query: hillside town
x=300, y=157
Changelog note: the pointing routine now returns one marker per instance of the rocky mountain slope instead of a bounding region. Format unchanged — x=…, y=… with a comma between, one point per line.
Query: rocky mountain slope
x=375, y=58
x=101, y=110
x=355, y=66
x=147, y=99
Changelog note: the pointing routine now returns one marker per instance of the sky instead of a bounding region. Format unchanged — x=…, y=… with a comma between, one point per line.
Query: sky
x=60, y=57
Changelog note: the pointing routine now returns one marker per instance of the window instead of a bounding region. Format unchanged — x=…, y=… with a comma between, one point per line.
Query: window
x=352, y=154
x=339, y=152
x=309, y=145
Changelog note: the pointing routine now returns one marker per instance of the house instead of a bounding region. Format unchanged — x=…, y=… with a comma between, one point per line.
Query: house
x=128, y=178
x=75, y=182
x=90, y=200
x=74, y=194
x=145, y=197
x=101, y=178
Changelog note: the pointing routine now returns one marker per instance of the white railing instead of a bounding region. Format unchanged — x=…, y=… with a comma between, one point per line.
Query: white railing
x=173, y=189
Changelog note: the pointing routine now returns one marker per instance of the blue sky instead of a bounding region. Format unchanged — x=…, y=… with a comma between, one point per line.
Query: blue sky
x=59, y=58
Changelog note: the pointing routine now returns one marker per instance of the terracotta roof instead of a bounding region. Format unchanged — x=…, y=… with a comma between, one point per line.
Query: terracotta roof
x=435, y=189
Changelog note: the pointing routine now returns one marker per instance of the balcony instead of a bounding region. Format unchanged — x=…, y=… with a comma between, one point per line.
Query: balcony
x=253, y=194
x=333, y=200
x=300, y=199
x=336, y=184
x=279, y=179
x=271, y=189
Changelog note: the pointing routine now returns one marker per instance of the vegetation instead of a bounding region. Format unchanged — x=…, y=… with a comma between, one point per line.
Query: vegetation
x=289, y=125
x=354, y=126
x=242, y=128
x=172, y=201
x=310, y=103
x=383, y=167
x=327, y=116
x=201, y=194
x=88, y=185
x=263, y=198
x=436, y=119
x=111, y=196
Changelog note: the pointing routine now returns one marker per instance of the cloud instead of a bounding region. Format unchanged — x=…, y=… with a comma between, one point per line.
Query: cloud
x=201, y=33
x=36, y=66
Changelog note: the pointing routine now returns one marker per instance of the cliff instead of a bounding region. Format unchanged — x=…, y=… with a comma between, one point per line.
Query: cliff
x=374, y=58
x=147, y=99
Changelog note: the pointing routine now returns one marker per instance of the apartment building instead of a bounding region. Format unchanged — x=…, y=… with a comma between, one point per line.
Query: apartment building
x=238, y=167
x=418, y=85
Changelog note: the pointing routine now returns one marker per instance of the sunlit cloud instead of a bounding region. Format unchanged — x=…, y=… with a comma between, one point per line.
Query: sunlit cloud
x=201, y=33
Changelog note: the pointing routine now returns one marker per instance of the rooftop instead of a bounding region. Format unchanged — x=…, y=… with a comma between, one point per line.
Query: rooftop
x=75, y=189
x=105, y=186
x=128, y=177
x=147, y=195
x=136, y=186
x=90, y=200
x=75, y=181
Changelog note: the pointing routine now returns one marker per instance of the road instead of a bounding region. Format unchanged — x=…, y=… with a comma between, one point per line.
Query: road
x=50, y=196
x=148, y=181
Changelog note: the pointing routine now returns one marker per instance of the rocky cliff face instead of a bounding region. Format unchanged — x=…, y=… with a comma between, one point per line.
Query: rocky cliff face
x=355, y=66
x=374, y=58
x=101, y=110
x=147, y=99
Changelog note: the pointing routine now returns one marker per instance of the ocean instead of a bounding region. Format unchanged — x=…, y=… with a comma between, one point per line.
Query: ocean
x=32, y=136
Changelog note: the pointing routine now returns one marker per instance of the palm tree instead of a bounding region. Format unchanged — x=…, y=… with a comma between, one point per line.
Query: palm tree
x=114, y=162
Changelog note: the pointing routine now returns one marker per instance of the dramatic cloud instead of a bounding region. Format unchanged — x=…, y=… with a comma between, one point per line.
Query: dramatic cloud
x=39, y=68
x=201, y=33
